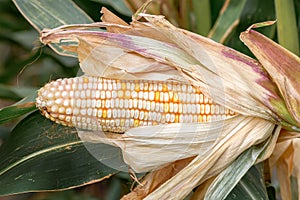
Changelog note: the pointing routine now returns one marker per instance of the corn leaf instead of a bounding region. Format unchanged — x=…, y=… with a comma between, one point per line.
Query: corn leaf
x=24, y=106
x=46, y=14
x=228, y=20
x=56, y=157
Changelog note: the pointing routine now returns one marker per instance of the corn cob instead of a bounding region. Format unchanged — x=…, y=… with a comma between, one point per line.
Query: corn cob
x=96, y=103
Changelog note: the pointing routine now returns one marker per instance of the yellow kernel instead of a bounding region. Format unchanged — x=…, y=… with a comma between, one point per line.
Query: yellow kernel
x=157, y=94
x=136, y=123
x=104, y=114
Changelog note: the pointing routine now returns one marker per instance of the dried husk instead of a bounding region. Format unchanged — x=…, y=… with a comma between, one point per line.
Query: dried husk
x=283, y=67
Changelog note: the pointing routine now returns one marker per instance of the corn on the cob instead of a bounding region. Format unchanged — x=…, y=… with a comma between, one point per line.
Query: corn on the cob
x=116, y=105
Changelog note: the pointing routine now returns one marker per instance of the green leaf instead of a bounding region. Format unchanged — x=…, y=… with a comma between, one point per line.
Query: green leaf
x=51, y=14
x=287, y=25
x=18, y=109
x=14, y=93
x=228, y=19
x=41, y=155
x=251, y=186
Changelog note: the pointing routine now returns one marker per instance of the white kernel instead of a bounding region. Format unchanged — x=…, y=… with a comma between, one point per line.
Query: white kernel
x=88, y=93
x=83, y=103
x=140, y=104
x=98, y=103
x=131, y=113
x=206, y=99
x=158, y=117
x=57, y=94
x=121, y=103
x=180, y=108
x=93, y=103
x=189, y=108
x=83, y=111
x=61, y=110
x=60, y=88
x=77, y=94
x=160, y=87
x=134, y=94
x=207, y=109
x=80, y=86
x=114, y=94
x=95, y=112
x=61, y=117
x=50, y=103
x=161, y=107
x=151, y=95
x=99, y=86
x=112, y=103
x=71, y=94
x=54, y=108
x=75, y=111
x=69, y=111
x=193, y=111
x=126, y=103
x=166, y=96
x=198, y=109
x=157, y=107
x=175, y=107
x=172, y=118
x=64, y=94
x=127, y=94
x=217, y=109
x=136, y=114
x=152, y=105
x=107, y=103
x=193, y=97
x=184, y=110
x=141, y=94
x=68, y=119
x=89, y=112
x=58, y=101
x=104, y=85
x=102, y=95
x=168, y=117
x=114, y=113
x=127, y=113
x=66, y=102
x=123, y=113
x=108, y=94
x=82, y=94
x=131, y=122
x=142, y=115
x=90, y=85
x=135, y=103
x=109, y=113
x=188, y=98
x=100, y=113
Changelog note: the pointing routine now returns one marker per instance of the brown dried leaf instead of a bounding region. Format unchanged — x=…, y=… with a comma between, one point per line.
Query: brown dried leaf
x=283, y=66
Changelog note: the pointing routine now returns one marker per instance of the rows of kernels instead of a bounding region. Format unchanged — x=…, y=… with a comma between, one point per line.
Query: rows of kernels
x=117, y=105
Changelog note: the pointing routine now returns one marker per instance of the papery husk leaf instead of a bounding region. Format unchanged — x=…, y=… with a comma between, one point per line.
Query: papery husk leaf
x=245, y=132
x=215, y=144
x=156, y=178
x=286, y=160
x=283, y=66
